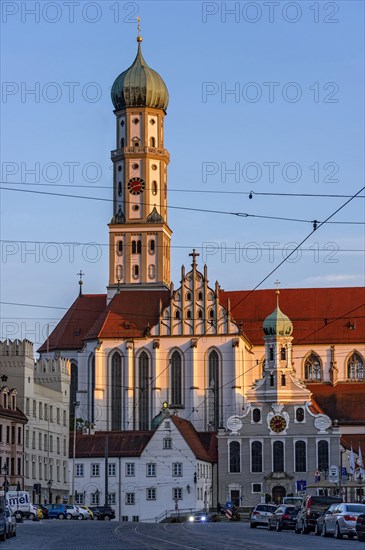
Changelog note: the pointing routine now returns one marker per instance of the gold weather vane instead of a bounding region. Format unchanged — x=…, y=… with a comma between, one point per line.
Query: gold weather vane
x=139, y=37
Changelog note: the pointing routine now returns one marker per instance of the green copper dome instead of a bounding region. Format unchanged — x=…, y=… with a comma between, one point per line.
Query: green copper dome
x=139, y=86
x=277, y=323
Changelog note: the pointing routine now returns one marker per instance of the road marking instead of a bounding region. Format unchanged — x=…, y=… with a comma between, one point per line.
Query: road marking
x=168, y=541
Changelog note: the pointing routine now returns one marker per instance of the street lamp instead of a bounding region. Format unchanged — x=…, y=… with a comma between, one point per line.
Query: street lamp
x=49, y=485
x=76, y=404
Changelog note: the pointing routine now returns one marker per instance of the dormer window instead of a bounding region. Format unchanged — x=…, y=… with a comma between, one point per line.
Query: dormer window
x=5, y=400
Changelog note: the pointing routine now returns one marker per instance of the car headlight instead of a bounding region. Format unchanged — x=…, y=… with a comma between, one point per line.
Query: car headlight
x=191, y=518
x=203, y=518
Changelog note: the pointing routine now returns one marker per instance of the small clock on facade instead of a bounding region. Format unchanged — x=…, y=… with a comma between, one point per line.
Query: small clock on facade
x=136, y=186
x=277, y=424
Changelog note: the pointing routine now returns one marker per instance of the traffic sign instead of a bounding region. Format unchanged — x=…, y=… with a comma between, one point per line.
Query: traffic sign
x=301, y=485
x=229, y=504
x=333, y=474
x=229, y=513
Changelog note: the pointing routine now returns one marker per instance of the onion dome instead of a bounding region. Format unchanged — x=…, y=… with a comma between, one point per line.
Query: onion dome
x=277, y=323
x=139, y=86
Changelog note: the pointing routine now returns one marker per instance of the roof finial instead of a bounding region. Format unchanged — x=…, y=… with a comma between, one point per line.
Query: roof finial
x=81, y=282
x=277, y=291
x=194, y=255
x=139, y=37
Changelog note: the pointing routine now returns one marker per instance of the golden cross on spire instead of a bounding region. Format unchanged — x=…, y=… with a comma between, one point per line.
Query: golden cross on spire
x=277, y=291
x=139, y=37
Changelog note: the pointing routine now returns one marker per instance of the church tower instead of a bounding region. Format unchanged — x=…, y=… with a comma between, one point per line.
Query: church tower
x=139, y=236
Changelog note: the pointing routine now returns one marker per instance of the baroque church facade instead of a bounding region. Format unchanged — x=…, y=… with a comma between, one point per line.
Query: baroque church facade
x=196, y=349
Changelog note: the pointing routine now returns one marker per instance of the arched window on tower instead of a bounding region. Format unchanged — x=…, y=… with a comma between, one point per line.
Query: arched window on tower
x=234, y=457
x=271, y=354
x=134, y=247
x=282, y=354
x=213, y=391
x=355, y=367
x=116, y=391
x=176, y=375
x=139, y=247
x=73, y=387
x=143, y=399
x=312, y=368
x=152, y=142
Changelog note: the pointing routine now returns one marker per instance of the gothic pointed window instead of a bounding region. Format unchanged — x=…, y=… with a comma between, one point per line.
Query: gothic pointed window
x=312, y=368
x=176, y=380
x=116, y=391
x=300, y=456
x=213, y=391
x=256, y=456
x=278, y=456
x=323, y=455
x=143, y=395
x=91, y=390
x=234, y=457
x=355, y=367
x=73, y=387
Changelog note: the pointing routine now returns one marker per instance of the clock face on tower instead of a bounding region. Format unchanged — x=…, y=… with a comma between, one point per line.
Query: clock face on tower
x=136, y=186
x=277, y=423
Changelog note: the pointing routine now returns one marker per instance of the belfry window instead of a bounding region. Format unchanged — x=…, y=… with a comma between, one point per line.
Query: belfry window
x=271, y=354
x=154, y=188
x=152, y=142
x=151, y=246
x=119, y=188
x=120, y=248
x=135, y=272
x=122, y=142
x=282, y=354
x=136, y=247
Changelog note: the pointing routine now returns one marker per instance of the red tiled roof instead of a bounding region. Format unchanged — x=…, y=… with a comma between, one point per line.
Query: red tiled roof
x=70, y=331
x=355, y=440
x=129, y=314
x=203, y=446
x=17, y=415
x=119, y=444
x=313, y=312
x=344, y=401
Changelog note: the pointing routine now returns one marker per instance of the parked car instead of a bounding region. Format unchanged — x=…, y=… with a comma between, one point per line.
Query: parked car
x=58, y=511
x=44, y=510
x=90, y=512
x=103, y=512
x=72, y=511
x=342, y=520
x=319, y=523
x=34, y=512
x=360, y=528
x=2, y=519
x=11, y=523
x=284, y=517
x=261, y=514
x=84, y=513
x=311, y=509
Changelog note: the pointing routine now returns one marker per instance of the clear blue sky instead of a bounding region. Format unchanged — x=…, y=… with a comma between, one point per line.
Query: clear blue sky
x=200, y=52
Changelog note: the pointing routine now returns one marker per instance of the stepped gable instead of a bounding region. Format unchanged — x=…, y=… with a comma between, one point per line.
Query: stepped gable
x=129, y=314
x=313, y=312
x=195, y=440
x=70, y=331
x=344, y=401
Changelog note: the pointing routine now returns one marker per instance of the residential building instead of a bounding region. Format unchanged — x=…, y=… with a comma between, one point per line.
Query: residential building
x=43, y=396
x=151, y=474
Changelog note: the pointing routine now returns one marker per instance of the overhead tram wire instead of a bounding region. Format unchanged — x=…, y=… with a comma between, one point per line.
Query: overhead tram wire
x=186, y=208
x=204, y=191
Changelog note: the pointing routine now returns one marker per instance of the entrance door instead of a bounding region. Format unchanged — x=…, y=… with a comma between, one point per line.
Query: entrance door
x=278, y=493
x=235, y=497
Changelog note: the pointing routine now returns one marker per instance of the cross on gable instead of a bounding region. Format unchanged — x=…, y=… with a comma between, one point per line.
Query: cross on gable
x=194, y=256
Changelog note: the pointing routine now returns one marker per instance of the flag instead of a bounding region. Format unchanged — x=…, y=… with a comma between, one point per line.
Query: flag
x=352, y=461
x=361, y=464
